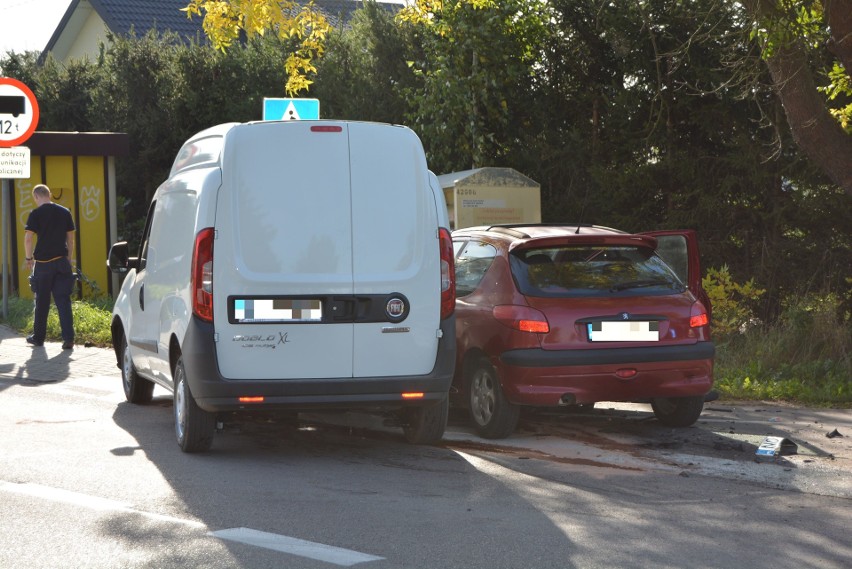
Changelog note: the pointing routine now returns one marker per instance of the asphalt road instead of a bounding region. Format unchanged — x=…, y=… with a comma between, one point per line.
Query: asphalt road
x=88, y=480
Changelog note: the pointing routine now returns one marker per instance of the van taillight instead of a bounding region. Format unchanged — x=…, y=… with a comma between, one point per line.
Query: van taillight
x=523, y=318
x=448, y=273
x=202, y=275
x=326, y=128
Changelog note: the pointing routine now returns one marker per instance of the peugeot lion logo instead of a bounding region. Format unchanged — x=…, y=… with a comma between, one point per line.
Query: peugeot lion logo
x=625, y=316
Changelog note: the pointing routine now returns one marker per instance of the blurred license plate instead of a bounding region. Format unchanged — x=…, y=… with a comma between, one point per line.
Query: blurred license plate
x=277, y=310
x=624, y=331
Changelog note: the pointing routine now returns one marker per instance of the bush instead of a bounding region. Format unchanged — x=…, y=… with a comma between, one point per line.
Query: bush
x=733, y=303
x=805, y=356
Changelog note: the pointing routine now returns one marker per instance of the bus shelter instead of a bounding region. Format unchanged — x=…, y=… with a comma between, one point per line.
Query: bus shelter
x=79, y=168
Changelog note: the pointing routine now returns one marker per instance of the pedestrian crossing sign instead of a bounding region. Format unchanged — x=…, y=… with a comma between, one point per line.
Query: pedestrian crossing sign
x=290, y=109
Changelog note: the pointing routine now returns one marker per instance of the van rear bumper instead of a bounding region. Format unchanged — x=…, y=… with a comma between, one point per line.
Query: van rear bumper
x=215, y=393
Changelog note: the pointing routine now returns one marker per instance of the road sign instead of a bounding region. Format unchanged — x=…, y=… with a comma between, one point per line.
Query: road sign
x=290, y=109
x=15, y=162
x=18, y=112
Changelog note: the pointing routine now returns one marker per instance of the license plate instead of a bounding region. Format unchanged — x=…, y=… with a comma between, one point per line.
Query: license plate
x=624, y=331
x=277, y=310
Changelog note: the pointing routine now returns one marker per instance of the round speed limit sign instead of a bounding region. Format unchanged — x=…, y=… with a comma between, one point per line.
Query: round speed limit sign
x=18, y=112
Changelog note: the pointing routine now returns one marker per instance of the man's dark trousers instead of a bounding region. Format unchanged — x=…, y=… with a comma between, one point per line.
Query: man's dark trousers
x=53, y=278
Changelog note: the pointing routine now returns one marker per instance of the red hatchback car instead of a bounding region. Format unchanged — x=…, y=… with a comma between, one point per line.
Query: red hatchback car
x=550, y=315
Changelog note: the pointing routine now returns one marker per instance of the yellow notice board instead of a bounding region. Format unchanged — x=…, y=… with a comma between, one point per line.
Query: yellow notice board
x=490, y=196
x=80, y=172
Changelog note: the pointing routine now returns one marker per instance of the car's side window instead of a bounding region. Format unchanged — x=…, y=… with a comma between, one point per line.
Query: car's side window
x=146, y=235
x=472, y=262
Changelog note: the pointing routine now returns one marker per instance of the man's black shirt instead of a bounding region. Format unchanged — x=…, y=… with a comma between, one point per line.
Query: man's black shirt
x=50, y=222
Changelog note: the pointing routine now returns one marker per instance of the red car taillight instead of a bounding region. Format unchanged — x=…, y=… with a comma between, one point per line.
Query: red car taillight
x=448, y=273
x=202, y=275
x=698, y=316
x=521, y=318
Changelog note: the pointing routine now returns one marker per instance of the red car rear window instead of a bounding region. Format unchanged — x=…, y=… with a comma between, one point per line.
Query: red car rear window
x=593, y=271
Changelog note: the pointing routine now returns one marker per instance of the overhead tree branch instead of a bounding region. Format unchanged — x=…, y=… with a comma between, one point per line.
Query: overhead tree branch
x=814, y=129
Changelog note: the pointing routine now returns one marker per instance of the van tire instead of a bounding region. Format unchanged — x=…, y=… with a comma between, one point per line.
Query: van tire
x=426, y=425
x=137, y=389
x=194, y=427
x=492, y=415
x=678, y=411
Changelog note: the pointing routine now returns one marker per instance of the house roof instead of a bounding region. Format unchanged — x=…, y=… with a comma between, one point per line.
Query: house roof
x=122, y=15
x=143, y=15
x=488, y=176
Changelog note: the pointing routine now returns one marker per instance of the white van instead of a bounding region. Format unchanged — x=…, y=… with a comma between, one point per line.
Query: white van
x=292, y=265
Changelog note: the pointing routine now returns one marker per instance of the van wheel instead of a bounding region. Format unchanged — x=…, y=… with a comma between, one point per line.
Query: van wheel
x=194, y=426
x=493, y=416
x=426, y=425
x=136, y=389
x=678, y=411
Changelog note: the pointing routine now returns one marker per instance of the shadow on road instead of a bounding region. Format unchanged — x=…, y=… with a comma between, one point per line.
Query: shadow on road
x=472, y=507
x=417, y=506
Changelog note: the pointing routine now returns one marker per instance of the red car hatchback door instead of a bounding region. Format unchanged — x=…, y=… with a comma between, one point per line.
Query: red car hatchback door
x=679, y=249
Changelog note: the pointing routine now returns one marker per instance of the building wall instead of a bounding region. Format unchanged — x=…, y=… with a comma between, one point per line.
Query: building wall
x=85, y=44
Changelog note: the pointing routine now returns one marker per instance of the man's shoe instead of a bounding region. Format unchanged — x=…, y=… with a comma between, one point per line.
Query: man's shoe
x=67, y=345
x=32, y=342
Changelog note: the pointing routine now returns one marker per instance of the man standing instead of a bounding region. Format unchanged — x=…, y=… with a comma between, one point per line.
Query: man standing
x=50, y=263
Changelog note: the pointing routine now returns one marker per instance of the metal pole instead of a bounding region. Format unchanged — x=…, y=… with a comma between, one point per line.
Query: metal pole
x=4, y=235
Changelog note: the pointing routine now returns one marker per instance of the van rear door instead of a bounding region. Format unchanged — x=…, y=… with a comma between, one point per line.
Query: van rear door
x=282, y=265
x=326, y=256
x=396, y=254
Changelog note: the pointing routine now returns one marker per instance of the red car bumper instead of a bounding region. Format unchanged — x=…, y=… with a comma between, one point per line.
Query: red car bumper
x=549, y=378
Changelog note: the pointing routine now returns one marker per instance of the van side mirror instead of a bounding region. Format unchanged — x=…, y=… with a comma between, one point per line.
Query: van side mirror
x=119, y=260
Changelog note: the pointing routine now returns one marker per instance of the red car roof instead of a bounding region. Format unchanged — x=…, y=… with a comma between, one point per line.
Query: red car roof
x=546, y=235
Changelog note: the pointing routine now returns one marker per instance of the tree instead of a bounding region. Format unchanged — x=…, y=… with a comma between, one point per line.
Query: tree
x=226, y=20
x=475, y=67
x=65, y=93
x=364, y=72
x=793, y=36
x=628, y=115
x=138, y=92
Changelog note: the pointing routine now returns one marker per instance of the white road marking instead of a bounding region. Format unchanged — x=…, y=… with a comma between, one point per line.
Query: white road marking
x=300, y=547
x=276, y=542
x=89, y=502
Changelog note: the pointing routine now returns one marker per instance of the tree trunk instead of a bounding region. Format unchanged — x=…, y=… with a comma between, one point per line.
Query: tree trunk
x=838, y=16
x=815, y=131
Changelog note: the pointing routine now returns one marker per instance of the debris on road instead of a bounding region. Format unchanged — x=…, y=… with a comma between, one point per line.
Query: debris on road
x=773, y=447
x=833, y=434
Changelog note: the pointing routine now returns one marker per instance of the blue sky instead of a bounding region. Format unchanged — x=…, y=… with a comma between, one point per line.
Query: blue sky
x=28, y=24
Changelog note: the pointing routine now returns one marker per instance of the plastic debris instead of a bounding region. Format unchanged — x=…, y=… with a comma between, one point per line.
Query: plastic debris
x=773, y=447
x=833, y=434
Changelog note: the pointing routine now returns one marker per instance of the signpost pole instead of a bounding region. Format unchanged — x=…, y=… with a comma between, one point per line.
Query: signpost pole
x=19, y=110
x=4, y=236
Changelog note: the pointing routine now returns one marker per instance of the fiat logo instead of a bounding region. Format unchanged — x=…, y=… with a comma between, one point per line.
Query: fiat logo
x=395, y=307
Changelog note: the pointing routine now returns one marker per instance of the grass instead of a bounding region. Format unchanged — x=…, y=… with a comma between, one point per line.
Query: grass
x=91, y=320
x=806, y=357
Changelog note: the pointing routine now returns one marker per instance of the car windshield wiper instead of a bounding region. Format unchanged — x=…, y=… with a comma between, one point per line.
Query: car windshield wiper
x=641, y=284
